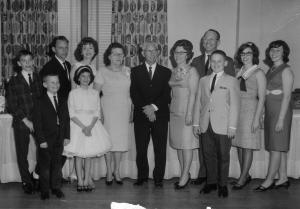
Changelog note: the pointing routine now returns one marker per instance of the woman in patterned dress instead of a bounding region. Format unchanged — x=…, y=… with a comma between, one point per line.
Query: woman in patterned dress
x=252, y=92
x=278, y=114
x=184, y=83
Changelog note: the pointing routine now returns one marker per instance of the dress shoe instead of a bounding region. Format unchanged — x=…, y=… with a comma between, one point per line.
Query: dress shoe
x=238, y=186
x=198, y=181
x=27, y=188
x=108, y=183
x=45, y=195
x=208, y=188
x=261, y=188
x=66, y=181
x=177, y=187
x=158, y=184
x=35, y=182
x=58, y=193
x=285, y=185
x=120, y=182
x=140, y=182
x=223, y=191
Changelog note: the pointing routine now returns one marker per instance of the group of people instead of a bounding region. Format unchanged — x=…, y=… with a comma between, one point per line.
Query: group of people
x=209, y=103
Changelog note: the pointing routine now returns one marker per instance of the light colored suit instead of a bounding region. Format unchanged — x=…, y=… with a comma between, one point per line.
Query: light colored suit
x=221, y=107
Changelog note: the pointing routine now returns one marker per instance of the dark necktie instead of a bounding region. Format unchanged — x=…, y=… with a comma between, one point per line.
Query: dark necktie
x=207, y=65
x=30, y=79
x=66, y=70
x=150, y=73
x=242, y=84
x=212, y=87
x=55, y=103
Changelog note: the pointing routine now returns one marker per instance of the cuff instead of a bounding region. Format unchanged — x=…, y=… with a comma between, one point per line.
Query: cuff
x=234, y=128
x=155, y=107
x=195, y=125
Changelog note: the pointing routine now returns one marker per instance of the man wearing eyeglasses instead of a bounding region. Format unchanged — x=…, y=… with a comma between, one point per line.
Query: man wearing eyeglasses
x=150, y=94
x=208, y=44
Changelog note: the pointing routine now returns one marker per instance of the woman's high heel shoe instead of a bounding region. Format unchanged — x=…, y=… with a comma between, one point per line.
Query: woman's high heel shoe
x=285, y=185
x=177, y=186
x=120, y=182
x=261, y=188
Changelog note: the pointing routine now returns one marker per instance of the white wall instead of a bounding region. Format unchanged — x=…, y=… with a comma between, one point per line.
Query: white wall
x=260, y=21
x=190, y=19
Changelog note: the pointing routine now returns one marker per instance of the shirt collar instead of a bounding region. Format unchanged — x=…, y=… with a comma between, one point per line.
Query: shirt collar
x=59, y=60
x=153, y=66
x=246, y=74
x=25, y=74
x=218, y=74
x=50, y=95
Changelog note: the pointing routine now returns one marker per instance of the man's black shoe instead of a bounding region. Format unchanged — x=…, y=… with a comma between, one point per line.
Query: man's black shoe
x=208, y=188
x=27, y=188
x=158, y=184
x=58, y=193
x=140, y=182
x=45, y=195
x=198, y=181
x=223, y=191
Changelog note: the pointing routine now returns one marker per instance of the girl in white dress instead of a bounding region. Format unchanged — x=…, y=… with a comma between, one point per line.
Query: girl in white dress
x=88, y=136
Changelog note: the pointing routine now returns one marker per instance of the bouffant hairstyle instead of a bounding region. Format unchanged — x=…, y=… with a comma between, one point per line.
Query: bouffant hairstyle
x=186, y=45
x=85, y=41
x=83, y=69
x=109, y=49
x=53, y=44
x=254, y=49
x=275, y=44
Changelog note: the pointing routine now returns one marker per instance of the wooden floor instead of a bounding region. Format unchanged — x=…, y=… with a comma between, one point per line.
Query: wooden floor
x=11, y=196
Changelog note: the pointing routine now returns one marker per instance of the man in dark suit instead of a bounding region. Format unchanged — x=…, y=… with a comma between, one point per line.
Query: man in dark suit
x=150, y=93
x=58, y=50
x=52, y=130
x=208, y=44
x=23, y=91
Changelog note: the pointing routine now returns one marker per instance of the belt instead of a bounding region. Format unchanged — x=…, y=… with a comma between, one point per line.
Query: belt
x=274, y=92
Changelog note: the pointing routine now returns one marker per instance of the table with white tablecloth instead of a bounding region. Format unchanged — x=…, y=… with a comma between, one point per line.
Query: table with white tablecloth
x=9, y=170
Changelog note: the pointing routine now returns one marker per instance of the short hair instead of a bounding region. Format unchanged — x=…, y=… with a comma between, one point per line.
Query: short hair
x=275, y=44
x=148, y=42
x=215, y=31
x=53, y=44
x=83, y=69
x=49, y=73
x=85, y=41
x=108, y=51
x=254, y=49
x=23, y=52
x=186, y=45
x=220, y=52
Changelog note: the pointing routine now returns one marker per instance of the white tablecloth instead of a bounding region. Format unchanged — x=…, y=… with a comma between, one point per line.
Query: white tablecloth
x=9, y=169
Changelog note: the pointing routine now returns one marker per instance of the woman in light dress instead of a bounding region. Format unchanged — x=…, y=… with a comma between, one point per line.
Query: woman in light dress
x=184, y=84
x=252, y=92
x=278, y=114
x=85, y=53
x=88, y=138
x=114, y=82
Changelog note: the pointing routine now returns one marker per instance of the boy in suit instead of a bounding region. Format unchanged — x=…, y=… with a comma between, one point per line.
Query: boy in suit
x=208, y=44
x=52, y=129
x=23, y=90
x=215, y=117
x=150, y=94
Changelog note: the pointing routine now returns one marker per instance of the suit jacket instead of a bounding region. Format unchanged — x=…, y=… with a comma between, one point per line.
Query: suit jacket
x=21, y=98
x=54, y=66
x=45, y=120
x=221, y=107
x=199, y=64
x=145, y=91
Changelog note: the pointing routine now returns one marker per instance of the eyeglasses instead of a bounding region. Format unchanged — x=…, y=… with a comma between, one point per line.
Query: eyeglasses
x=243, y=54
x=117, y=54
x=180, y=53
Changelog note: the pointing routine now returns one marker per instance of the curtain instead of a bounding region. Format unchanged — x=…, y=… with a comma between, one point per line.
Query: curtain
x=137, y=21
x=29, y=24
